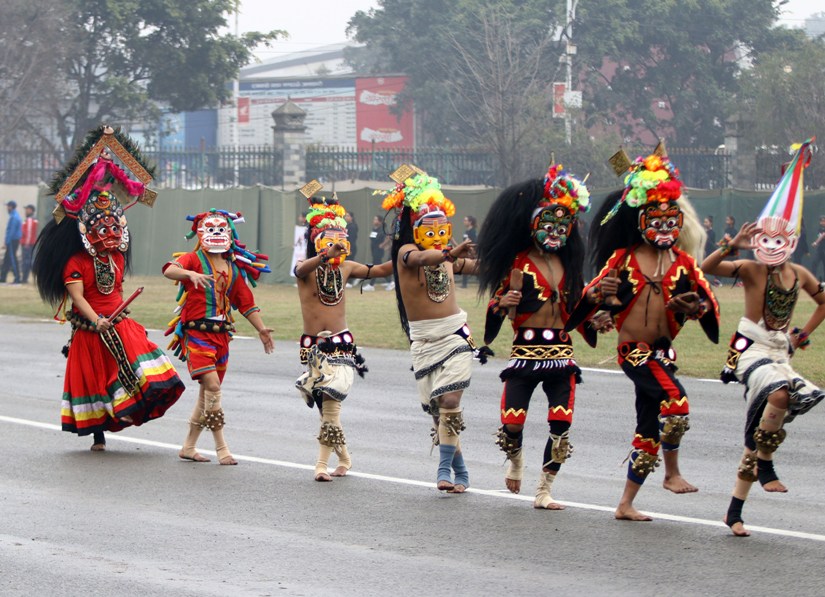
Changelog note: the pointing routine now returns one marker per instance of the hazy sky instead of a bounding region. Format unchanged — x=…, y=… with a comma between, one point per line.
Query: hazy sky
x=313, y=23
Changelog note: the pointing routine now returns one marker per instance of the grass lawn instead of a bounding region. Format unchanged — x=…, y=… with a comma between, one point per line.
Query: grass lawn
x=373, y=319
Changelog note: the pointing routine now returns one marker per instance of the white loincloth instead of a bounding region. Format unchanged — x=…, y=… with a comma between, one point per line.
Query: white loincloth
x=442, y=360
x=764, y=367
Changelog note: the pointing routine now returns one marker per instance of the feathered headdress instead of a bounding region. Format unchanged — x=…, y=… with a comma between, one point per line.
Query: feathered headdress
x=92, y=170
x=647, y=179
x=324, y=212
x=249, y=262
x=562, y=188
x=415, y=189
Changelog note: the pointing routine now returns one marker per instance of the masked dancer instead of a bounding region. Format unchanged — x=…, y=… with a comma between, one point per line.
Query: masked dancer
x=327, y=347
x=115, y=377
x=213, y=280
x=761, y=349
x=645, y=235
x=531, y=258
x=424, y=269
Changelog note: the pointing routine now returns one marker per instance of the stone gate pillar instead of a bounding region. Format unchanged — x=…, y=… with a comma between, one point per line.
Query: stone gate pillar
x=290, y=138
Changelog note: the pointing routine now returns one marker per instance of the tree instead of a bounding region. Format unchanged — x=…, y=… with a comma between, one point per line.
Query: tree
x=480, y=73
x=784, y=94
x=125, y=57
x=686, y=55
x=28, y=61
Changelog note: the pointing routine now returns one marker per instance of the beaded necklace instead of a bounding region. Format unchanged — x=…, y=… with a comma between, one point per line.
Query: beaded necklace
x=779, y=302
x=438, y=282
x=330, y=285
x=104, y=274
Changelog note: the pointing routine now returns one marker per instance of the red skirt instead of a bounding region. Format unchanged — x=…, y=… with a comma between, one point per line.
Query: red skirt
x=97, y=395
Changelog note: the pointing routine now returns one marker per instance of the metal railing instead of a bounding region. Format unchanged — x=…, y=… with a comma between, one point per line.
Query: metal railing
x=223, y=167
x=451, y=166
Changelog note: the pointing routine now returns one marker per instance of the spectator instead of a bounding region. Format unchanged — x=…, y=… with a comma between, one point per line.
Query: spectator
x=471, y=234
x=710, y=243
x=27, y=241
x=299, y=243
x=819, y=250
x=14, y=230
x=802, y=248
x=352, y=234
x=378, y=243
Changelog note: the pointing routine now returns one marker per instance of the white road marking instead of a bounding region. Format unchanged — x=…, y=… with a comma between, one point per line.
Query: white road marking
x=496, y=493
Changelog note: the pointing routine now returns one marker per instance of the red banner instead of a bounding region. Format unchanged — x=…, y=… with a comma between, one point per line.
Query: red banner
x=243, y=110
x=378, y=127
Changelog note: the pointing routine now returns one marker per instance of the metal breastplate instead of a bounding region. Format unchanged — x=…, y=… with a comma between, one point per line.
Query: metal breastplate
x=105, y=276
x=779, y=303
x=438, y=282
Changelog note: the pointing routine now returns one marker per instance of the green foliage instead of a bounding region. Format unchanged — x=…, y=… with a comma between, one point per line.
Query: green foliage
x=127, y=56
x=637, y=53
x=785, y=94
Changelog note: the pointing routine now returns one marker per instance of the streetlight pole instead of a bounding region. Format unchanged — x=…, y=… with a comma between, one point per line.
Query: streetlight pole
x=569, y=52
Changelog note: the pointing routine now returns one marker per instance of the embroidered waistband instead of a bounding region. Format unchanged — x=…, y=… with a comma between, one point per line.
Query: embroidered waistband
x=77, y=321
x=637, y=353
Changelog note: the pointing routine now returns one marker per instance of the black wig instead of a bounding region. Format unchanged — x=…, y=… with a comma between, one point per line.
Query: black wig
x=507, y=232
x=403, y=236
x=56, y=244
x=619, y=232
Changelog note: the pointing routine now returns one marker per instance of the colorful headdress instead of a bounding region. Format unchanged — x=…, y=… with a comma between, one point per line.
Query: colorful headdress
x=324, y=212
x=249, y=262
x=786, y=201
x=561, y=188
x=652, y=179
x=418, y=191
x=92, y=171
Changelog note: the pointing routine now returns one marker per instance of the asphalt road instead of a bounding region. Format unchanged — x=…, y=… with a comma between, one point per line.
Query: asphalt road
x=137, y=521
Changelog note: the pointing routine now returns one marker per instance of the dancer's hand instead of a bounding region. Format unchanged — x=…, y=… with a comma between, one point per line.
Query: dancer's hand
x=602, y=322
x=103, y=324
x=744, y=238
x=463, y=249
x=510, y=298
x=266, y=339
x=687, y=303
x=199, y=280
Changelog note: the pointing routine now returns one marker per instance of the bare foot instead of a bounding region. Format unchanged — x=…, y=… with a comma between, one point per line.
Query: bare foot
x=341, y=471
x=738, y=528
x=127, y=419
x=228, y=461
x=445, y=486
x=631, y=513
x=323, y=478
x=548, y=506
x=775, y=486
x=457, y=488
x=194, y=457
x=98, y=447
x=514, y=485
x=677, y=484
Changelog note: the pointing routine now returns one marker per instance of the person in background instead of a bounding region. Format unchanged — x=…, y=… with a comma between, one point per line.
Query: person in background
x=352, y=234
x=27, y=241
x=819, y=250
x=471, y=234
x=14, y=230
x=299, y=242
x=802, y=248
x=378, y=243
x=710, y=242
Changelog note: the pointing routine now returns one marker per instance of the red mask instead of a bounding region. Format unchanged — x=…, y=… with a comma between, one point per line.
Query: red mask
x=661, y=224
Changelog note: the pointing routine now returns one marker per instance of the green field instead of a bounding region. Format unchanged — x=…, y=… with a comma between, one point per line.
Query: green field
x=373, y=319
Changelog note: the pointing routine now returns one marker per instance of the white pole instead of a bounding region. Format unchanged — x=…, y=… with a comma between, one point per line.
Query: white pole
x=568, y=81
